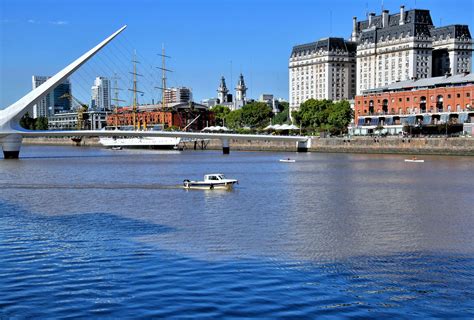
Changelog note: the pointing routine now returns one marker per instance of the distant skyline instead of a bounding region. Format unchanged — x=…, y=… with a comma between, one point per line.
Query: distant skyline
x=206, y=39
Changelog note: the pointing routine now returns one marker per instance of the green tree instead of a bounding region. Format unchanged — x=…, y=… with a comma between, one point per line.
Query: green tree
x=256, y=114
x=27, y=122
x=282, y=116
x=339, y=117
x=313, y=113
x=220, y=114
x=41, y=123
x=324, y=115
x=234, y=119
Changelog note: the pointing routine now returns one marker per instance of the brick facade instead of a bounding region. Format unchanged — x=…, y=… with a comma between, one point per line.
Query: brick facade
x=433, y=100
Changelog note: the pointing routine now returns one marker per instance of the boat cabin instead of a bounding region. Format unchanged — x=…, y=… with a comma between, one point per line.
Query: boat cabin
x=214, y=177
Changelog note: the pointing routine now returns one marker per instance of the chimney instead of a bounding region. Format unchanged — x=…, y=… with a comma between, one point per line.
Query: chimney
x=354, y=29
x=384, y=18
x=371, y=16
x=402, y=15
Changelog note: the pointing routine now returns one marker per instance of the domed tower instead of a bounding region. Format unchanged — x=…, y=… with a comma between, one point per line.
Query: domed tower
x=222, y=91
x=241, y=89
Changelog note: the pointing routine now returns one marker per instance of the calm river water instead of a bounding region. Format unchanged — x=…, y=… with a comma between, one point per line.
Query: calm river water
x=88, y=232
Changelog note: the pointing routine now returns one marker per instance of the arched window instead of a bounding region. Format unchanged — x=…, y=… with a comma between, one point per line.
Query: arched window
x=371, y=106
x=449, y=108
x=458, y=108
x=439, y=103
x=423, y=104
x=385, y=106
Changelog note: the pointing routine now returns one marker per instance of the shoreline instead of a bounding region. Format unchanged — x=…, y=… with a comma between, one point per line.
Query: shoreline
x=459, y=146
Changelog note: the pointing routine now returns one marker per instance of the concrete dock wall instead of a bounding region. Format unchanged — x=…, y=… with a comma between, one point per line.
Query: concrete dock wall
x=442, y=146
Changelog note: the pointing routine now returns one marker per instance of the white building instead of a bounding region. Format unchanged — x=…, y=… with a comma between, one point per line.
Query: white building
x=406, y=46
x=100, y=99
x=325, y=69
x=226, y=99
x=241, y=89
x=178, y=95
x=41, y=109
x=270, y=100
x=222, y=92
x=96, y=120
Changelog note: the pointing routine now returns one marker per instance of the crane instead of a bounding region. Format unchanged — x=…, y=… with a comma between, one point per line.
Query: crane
x=81, y=109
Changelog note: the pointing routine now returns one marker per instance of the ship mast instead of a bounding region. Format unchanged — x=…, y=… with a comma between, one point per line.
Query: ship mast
x=163, y=76
x=135, y=90
x=116, y=99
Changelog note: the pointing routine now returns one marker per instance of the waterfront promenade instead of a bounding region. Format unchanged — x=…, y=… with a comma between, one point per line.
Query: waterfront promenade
x=389, y=145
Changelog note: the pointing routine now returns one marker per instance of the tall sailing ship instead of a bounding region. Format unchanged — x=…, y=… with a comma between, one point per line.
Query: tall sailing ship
x=140, y=142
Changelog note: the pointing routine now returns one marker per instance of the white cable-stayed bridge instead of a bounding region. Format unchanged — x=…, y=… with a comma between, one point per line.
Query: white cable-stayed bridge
x=11, y=133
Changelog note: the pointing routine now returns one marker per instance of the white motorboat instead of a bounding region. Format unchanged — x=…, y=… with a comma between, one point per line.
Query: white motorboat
x=414, y=159
x=288, y=160
x=211, y=181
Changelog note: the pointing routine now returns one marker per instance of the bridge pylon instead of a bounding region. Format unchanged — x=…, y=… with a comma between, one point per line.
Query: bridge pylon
x=11, y=134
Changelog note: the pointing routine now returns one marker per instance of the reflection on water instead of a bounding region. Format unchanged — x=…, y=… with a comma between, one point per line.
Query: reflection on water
x=88, y=232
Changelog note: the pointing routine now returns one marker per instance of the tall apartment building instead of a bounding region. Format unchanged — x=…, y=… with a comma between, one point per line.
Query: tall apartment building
x=406, y=45
x=100, y=99
x=181, y=94
x=325, y=69
x=55, y=101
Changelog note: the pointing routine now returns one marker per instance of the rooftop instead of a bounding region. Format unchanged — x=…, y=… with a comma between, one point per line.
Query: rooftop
x=325, y=44
x=457, y=79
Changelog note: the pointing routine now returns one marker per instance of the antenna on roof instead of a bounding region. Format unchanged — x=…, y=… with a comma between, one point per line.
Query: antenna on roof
x=382, y=5
x=330, y=23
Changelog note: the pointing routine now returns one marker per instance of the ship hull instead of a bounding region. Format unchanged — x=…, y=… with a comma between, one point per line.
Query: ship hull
x=140, y=142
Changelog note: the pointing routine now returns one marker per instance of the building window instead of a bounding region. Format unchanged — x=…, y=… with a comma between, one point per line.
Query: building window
x=458, y=95
x=449, y=96
x=408, y=99
x=468, y=94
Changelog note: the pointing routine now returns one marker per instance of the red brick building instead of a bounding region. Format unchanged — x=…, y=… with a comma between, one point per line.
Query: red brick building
x=426, y=101
x=176, y=114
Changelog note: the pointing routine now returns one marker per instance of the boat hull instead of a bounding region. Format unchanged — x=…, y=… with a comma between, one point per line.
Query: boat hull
x=208, y=185
x=140, y=142
x=416, y=161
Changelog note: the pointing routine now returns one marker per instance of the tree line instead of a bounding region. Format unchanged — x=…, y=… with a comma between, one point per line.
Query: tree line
x=40, y=123
x=313, y=116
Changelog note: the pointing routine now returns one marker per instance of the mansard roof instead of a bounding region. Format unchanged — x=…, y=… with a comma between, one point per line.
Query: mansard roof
x=415, y=16
x=452, y=31
x=326, y=44
x=443, y=81
x=417, y=22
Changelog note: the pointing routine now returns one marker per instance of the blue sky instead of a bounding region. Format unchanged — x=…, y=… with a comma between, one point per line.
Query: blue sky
x=206, y=39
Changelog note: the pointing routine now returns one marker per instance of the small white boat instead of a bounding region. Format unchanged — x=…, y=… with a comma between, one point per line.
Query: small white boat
x=116, y=148
x=211, y=181
x=414, y=160
x=288, y=160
